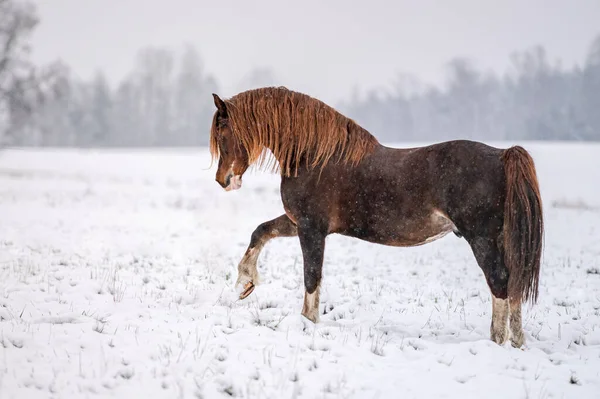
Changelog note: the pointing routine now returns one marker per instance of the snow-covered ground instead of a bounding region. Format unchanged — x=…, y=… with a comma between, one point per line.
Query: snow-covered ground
x=117, y=271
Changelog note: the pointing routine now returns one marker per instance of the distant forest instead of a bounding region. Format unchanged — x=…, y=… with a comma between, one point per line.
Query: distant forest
x=166, y=99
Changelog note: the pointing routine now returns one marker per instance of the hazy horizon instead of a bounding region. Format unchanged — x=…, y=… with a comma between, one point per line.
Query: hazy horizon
x=324, y=49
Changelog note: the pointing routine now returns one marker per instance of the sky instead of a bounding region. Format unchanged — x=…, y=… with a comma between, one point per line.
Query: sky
x=323, y=48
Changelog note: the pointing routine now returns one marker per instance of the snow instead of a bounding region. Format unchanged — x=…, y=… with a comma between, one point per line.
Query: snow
x=117, y=272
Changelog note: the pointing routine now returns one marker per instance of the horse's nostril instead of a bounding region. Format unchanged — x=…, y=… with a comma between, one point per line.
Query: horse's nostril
x=227, y=180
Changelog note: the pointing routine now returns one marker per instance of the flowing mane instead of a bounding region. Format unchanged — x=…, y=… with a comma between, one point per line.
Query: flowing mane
x=295, y=127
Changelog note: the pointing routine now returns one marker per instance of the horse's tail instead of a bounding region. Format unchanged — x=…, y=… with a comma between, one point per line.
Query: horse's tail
x=523, y=229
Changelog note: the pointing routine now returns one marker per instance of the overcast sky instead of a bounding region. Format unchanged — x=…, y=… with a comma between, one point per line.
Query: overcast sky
x=323, y=48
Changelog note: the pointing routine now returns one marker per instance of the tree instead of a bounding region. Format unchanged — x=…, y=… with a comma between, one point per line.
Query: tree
x=465, y=98
x=99, y=112
x=23, y=87
x=165, y=101
x=154, y=80
x=193, y=101
x=590, y=93
x=539, y=96
x=126, y=116
x=17, y=75
x=58, y=119
x=46, y=119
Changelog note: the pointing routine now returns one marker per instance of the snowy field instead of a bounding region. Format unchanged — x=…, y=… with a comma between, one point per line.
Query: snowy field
x=117, y=271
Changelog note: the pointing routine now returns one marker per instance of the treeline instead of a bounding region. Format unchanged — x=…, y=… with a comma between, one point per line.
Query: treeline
x=535, y=100
x=166, y=99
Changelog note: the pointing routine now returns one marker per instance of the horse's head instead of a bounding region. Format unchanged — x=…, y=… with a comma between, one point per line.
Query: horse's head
x=233, y=157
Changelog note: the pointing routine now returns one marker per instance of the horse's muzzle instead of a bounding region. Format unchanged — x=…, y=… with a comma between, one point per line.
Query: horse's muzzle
x=232, y=182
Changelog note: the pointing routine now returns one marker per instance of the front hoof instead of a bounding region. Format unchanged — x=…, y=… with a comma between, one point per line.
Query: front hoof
x=312, y=315
x=248, y=288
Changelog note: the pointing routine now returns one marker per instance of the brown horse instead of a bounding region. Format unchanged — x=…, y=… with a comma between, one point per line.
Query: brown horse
x=337, y=178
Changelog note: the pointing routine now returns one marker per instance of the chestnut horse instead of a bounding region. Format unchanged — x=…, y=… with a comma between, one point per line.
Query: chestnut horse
x=337, y=178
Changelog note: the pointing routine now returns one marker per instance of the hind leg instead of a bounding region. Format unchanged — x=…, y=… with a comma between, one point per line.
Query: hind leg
x=247, y=272
x=517, y=337
x=491, y=261
x=499, y=328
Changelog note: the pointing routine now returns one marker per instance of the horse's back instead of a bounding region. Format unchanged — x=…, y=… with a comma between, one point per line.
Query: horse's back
x=403, y=197
x=420, y=194
x=466, y=181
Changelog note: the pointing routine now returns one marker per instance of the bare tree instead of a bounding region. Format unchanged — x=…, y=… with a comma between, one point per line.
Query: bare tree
x=22, y=86
x=193, y=102
x=17, y=21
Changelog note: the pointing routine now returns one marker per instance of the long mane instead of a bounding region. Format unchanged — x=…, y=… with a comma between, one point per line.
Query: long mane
x=299, y=131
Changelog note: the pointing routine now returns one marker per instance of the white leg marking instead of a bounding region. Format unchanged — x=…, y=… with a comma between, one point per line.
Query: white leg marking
x=517, y=337
x=499, y=328
x=247, y=271
x=310, y=310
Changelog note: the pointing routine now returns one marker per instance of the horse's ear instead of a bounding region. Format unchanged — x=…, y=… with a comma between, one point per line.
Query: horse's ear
x=220, y=104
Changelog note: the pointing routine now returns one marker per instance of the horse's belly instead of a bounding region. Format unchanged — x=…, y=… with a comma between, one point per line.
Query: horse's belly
x=422, y=239
x=407, y=232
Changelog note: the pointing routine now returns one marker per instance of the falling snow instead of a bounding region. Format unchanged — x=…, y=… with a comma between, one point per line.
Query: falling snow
x=117, y=272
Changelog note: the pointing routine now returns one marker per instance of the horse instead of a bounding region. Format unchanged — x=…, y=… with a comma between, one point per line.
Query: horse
x=336, y=178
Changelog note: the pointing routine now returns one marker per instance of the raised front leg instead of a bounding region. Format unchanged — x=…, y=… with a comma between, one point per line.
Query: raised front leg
x=247, y=272
x=312, y=241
